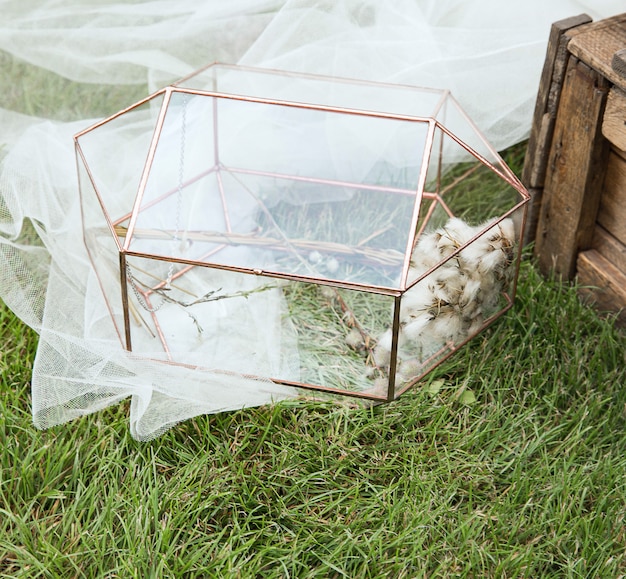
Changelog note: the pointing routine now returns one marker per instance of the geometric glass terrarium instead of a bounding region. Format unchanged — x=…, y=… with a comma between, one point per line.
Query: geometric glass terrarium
x=319, y=233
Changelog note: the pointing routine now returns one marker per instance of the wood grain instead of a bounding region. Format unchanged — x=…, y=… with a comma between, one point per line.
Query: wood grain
x=575, y=171
x=546, y=106
x=614, y=123
x=597, y=45
x=609, y=247
x=548, y=98
x=602, y=284
x=612, y=211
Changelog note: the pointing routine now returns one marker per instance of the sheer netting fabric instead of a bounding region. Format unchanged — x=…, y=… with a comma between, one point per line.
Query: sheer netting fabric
x=488, y=54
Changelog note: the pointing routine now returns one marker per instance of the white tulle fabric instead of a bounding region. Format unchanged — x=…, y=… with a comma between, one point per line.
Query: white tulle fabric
x=488, y=53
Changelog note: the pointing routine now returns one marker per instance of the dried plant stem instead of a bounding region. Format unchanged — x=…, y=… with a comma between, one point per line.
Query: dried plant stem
x=369, y=254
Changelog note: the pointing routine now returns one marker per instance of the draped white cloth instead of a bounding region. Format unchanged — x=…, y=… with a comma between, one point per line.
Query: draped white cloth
x=488, y=53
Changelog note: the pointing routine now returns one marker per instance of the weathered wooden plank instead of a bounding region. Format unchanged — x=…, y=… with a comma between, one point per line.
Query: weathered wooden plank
x=618, y=63
x=618, y=153
x=602, y=283
x=548, y=99
x=546, y=105
x=609, y=247
x=612, y=210
x=614, y=123
x=575, y=171
x=597, y=45
x=571, y=27
x=554, y=67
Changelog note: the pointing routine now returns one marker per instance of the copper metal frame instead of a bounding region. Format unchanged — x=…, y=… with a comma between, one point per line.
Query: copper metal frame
x=124, y=251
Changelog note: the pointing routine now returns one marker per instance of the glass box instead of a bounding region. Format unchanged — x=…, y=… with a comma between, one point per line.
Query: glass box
x=320, y=233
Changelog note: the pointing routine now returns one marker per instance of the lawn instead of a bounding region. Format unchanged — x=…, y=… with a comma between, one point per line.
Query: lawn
x=508, y=461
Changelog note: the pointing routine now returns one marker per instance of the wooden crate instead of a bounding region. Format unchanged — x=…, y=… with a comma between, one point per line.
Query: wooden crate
x=575, y=165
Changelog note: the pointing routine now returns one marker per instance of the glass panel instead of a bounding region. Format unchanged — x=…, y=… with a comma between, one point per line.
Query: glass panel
x=301, y=88
x=336, y=333
x=215, y=319
x=104, y=256
x=455, y=120
x=470, y=189
x=282, y=189
x=317, y=144
x=238, y=323
x=471, y=281
x=116, y=153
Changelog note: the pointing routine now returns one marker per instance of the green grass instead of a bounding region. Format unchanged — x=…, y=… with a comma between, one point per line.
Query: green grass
x=33, y=91
x=527, y=479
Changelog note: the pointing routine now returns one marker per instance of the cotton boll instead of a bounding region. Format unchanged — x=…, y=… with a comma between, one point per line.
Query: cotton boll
x=474, y=325
x=460, y=229
x=499, y=242
x=382, y=352
x=469, y=295
x=413, y=325
x=447, y=245
x=427, y=243
x=454, y=234
x=417, y=299
x=354, y=339
x=472, y=256
x=414, y=317
x=420, y=263
x=437, y=245
x=493, y=260
x=488, y=260
x=490, y=294
x=432, y=312
x=408, y=370
x=446, y=327
x=425, y=256
x=452, y=302
x=381, y=384
x=507, y=247
x=507, y=230
x=414, y=273
x=448, y=282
